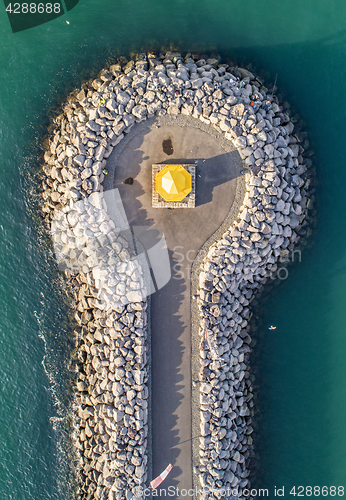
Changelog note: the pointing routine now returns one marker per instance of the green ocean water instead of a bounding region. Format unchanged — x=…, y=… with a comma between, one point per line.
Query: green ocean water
x=301, y=365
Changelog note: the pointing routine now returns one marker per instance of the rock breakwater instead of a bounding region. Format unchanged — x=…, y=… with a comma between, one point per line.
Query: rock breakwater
x=260, y=239
x=95, y=248
x=234, y=269
x=111, y=401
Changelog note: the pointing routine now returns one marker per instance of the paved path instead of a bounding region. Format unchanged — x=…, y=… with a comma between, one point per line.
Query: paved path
x=185, y=230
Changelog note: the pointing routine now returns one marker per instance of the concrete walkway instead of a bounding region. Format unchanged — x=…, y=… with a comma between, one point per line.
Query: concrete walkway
x=185, y=230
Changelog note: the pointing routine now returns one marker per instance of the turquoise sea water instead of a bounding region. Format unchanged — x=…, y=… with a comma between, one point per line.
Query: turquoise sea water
x=301, y=373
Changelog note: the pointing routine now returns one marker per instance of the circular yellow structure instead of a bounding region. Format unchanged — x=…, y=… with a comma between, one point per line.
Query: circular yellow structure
x=173, y=183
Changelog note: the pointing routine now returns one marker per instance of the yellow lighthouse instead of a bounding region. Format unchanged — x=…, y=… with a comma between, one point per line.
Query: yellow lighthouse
x=173, y=183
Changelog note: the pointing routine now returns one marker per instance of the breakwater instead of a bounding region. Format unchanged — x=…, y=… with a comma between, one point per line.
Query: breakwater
x=95, y=249
x=260, y=239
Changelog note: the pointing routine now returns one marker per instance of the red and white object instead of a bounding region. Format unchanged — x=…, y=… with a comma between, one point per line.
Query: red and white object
x=159, y=479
